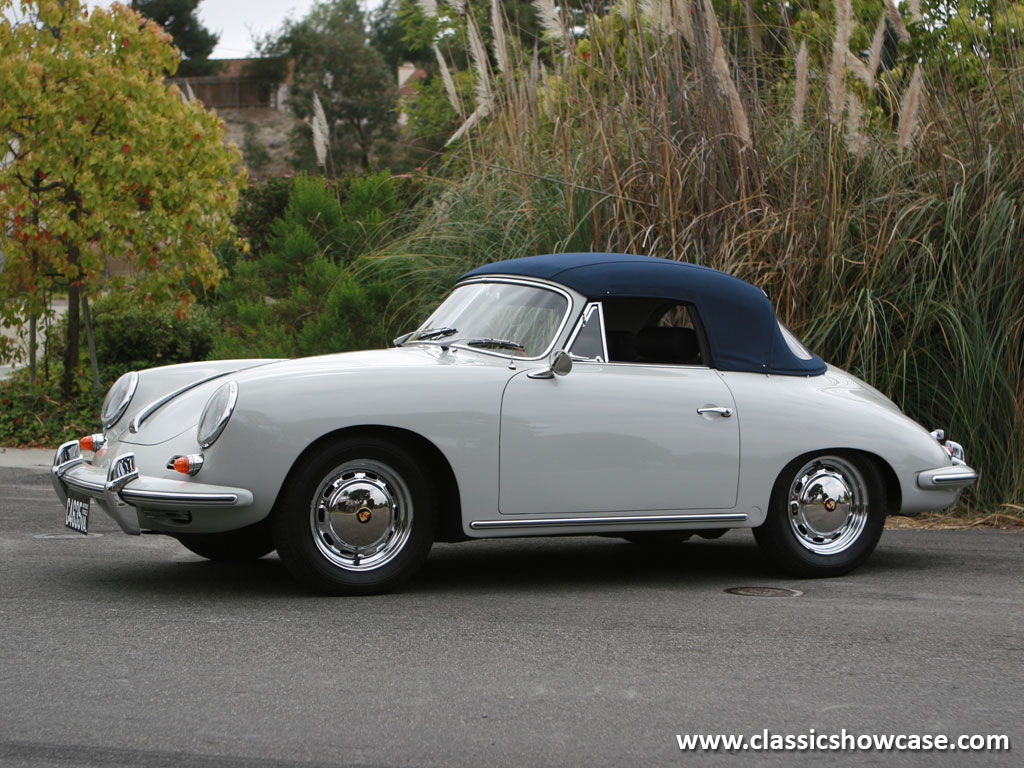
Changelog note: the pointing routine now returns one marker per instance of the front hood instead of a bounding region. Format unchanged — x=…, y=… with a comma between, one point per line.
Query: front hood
x=182, y=413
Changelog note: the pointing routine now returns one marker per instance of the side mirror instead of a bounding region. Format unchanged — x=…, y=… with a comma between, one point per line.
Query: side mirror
x=559, y=364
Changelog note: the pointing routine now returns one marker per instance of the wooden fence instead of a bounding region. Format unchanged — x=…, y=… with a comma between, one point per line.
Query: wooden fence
x=228, y=91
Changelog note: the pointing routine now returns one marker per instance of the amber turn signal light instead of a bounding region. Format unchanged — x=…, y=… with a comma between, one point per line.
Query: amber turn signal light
x=187, y=465
x=91, y=442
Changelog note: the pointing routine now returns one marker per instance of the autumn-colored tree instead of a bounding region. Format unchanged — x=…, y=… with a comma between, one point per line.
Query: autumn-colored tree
x=102, y=160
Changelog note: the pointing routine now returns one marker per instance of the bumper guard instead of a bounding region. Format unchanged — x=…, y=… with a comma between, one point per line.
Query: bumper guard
x=123, y=493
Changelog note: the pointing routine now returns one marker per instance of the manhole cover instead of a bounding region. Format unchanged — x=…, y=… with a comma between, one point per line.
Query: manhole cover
x=764, y=592
x=68, y=536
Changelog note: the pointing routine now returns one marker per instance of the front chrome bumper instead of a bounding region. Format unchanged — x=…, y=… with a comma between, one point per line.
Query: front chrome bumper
x=957, y=476
x=138, y=502
x=954, y=477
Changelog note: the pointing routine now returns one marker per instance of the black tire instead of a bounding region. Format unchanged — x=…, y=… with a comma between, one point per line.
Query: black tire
x=250, y=543
x=358, y=519
x=657, y=539
x=826, y=515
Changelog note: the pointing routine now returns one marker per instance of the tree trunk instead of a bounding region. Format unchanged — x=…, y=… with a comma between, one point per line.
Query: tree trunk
x=90, y=341
x=71, y=350
x=32, y=326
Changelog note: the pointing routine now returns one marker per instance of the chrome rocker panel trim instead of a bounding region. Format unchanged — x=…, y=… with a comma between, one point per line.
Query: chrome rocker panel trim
x=584, y=522
x=957, y=476
x=123, y=493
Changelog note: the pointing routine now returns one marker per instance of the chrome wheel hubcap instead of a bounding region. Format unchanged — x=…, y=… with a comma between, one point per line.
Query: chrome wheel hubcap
x=828, y=505
x=361, y=515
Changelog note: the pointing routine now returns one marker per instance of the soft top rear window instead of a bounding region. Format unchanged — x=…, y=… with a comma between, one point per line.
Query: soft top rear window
x=794, y=344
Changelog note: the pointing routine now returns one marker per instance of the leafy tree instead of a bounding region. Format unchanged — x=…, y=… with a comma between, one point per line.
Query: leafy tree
x=196, y=42
x=103, y=160
x=388, y=35
x=332, y=58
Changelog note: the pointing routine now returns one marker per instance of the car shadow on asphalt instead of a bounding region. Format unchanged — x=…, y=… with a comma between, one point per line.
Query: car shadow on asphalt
x=503, y=565
x=609, y=563
x=583, y=562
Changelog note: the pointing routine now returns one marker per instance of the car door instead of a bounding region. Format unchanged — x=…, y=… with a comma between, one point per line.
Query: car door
x=618, y=437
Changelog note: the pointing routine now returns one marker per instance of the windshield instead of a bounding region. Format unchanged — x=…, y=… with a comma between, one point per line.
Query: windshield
x=512, y=319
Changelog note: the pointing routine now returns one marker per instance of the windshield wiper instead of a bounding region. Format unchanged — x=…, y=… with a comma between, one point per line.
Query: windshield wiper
x=435, y=333
x=501, y=343
x=425, y=335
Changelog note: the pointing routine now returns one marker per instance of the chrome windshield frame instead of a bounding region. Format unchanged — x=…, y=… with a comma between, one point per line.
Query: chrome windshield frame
x=505, y=355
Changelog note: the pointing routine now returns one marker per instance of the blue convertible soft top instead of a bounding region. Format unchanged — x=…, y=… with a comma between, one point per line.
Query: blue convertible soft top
x=738, y=319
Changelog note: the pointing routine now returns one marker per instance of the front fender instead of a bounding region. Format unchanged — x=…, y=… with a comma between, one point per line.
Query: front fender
x=155, y=383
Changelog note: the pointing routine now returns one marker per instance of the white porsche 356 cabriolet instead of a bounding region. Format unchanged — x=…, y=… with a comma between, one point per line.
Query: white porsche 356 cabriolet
x=551, y=395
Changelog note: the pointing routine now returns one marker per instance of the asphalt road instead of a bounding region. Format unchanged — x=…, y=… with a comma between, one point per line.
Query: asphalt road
x=130, y=651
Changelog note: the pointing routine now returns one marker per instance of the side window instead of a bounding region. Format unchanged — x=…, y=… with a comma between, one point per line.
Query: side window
x=652, y=332
x=588, y=343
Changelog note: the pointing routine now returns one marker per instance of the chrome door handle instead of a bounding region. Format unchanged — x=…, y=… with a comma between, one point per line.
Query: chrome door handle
x=723, y=412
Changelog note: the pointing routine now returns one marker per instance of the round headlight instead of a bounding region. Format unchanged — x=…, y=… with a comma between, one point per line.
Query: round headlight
x=118, y=398
x=216, y=414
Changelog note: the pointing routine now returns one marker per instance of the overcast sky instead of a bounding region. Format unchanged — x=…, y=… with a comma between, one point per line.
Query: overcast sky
x=237, y=21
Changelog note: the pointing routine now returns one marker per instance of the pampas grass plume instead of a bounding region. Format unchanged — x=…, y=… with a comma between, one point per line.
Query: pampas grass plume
x=910, y=107
x=484, y=94
x=550, y=20
x=721, y=67
x=875, y=54
x=681, y=16
x=319, y=131
x=800, y=97
x=498, y=30
x=449, y=83
x=854, y=138
x=897, y=21
x=658, y=13
x=837, y=65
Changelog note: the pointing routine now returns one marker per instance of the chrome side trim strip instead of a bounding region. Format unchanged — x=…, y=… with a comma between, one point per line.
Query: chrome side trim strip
x=583, y=522
x=137, y=496
x=156, y=405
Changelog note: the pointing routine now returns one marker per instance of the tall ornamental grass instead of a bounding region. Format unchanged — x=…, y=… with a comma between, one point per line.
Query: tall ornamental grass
x=875, y=193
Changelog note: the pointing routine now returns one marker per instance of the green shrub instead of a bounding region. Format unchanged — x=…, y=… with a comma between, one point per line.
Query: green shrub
x=307, y=292
x=133, y=332
x=259, y=206
x=36, y=417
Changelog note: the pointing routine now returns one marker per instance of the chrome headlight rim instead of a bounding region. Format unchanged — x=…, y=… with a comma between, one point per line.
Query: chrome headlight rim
x=207, y=434
x=118, y=399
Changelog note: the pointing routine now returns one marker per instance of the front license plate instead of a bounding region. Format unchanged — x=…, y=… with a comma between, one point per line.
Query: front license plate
x=77, y=518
